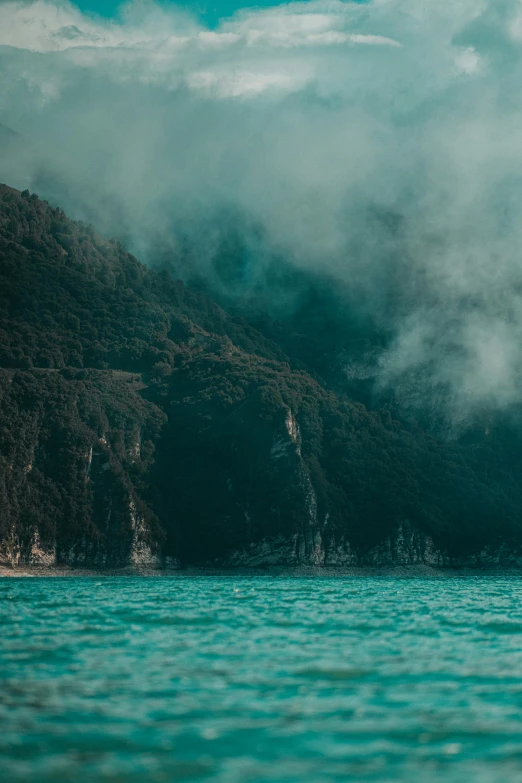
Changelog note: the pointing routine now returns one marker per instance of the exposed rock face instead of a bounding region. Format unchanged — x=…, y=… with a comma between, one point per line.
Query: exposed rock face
x=406, y=547
x=67, y=493
x=39, y=556
x=141, y=553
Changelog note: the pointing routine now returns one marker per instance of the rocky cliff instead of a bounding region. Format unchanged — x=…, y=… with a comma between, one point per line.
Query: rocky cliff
x=141, y=424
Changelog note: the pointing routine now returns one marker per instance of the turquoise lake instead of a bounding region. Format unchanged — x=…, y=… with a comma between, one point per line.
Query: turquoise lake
x=260, y=678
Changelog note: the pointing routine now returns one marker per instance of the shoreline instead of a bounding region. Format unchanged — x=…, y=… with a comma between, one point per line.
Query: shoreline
x=412, y=571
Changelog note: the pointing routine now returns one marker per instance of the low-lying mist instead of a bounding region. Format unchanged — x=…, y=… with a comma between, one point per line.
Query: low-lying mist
x=378, y=143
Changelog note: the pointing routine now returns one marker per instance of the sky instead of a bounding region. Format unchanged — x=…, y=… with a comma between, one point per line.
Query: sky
x=378, y=142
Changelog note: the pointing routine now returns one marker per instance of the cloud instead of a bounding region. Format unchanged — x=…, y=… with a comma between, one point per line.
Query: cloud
x=379, y=142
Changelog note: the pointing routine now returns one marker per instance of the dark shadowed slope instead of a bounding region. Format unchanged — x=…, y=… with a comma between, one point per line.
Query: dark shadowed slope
x=141, y=422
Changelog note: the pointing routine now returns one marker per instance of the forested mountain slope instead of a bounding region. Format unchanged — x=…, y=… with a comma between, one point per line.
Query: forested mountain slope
x=140, y=423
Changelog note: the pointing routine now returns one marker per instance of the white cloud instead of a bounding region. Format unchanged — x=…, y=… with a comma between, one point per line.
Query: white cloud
x=234, y=82
x=467, y=60
x=46, y=27
x=155, y=46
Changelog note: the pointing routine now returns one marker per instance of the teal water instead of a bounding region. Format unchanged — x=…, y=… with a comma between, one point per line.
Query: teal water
x=235, y=679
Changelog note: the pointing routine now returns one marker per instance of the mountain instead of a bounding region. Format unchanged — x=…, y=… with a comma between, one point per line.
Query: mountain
x=143, y=424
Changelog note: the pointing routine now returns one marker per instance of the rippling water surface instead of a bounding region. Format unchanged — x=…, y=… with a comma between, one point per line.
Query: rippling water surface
x=261, y=679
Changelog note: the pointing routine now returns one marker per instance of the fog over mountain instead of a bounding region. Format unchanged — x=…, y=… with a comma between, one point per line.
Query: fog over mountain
x=378, y=143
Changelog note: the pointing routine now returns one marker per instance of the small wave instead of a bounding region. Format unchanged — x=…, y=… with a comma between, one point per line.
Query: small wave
x=163, y=620
x=333, y=674
x=502, y=626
